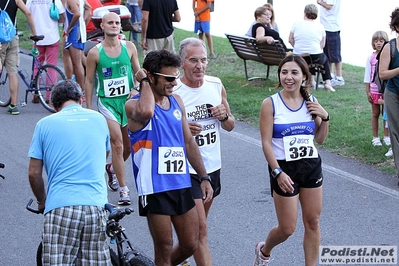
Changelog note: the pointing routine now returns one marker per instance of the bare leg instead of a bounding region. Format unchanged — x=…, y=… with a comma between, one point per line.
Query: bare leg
x=338, y=69
x=311, y=203
x=210, y=42
x=186, y=227
x=13, y=78
x=287, y=214
x=117, y=149
x=375, y=114
x=203, y=255
x=76, y=57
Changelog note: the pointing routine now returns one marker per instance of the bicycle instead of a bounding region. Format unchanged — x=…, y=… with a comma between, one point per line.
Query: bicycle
x=2, y=166
x=125, y=253
x=42, y=79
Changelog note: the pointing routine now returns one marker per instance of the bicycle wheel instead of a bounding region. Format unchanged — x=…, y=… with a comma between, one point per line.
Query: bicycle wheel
x=138, y=259
x=5, y=97
x=39, y=254
x=114, y=257
x=47, y=76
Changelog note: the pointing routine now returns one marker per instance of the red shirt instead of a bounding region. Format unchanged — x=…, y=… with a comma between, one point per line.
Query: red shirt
x=112, y=2
x=94, y=4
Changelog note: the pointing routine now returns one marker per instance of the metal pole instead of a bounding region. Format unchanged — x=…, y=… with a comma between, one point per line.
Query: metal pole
x=270, y=1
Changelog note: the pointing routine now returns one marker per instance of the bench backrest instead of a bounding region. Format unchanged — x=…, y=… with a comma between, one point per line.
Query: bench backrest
x=247, y=49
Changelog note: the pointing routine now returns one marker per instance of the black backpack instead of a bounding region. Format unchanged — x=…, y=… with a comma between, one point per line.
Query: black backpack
x=381, y=84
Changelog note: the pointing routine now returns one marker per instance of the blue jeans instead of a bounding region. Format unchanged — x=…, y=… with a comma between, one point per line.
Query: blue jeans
x=136, y=15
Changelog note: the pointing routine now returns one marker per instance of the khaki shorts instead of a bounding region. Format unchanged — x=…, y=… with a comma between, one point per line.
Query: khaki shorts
x=10, y=55
x=167, y=43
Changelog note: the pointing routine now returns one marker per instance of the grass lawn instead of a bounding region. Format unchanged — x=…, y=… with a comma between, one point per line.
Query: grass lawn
x=350, y=125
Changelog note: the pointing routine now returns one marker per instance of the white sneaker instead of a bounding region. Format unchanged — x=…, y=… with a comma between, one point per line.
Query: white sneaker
x=389, y=153
x=259, y=261
x=337, y=82
x=376, y=142
x=387, y=141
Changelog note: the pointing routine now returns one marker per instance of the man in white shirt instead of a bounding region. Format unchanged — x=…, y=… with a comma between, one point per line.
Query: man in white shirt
x=330, y=18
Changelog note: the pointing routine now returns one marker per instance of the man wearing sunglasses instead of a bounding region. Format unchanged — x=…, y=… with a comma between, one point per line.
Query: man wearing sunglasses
x=161, y=143
x=112, y=62
x=207, y=111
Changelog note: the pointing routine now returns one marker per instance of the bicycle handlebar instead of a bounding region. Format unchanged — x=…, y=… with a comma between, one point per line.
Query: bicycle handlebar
x=29, y=208
x=117, y=214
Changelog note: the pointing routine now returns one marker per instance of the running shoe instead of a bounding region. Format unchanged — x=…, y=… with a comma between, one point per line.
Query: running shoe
x=112, y=180
x=13, y=110
x=124, y=197
x=389, y=153
x=376, y=142
x=259, y=261
x=337, y=82
x=387, y=140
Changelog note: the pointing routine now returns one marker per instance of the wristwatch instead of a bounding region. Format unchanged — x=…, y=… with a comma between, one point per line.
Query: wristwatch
x=208, y=178
x=326, y=119
x=276, y=172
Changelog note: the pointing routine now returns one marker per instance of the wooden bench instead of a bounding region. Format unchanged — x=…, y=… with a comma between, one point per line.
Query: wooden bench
x=246, y=48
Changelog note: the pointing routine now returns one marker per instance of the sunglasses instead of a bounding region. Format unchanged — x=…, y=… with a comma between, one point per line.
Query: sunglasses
x=169, y=78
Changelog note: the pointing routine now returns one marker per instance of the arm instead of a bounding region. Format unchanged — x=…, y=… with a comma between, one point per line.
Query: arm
x=87, y=13
x=176, y=16
x=291, y=39
x=368, y=79
x=140, y=110
x=140, y=2
x=266, y=122
x=144, y=27
x=220, y=111
x=324, y=4
x=74, y=8
x=323, y=42
x=91, y=65
x=260, y=36
x=322, y=127
x=385, y=60
x=21, y=5
x=134, y=60
x=208, y=6
x=36, y=181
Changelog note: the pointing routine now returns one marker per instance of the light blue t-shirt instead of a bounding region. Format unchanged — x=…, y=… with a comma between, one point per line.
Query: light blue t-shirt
x=72, y=145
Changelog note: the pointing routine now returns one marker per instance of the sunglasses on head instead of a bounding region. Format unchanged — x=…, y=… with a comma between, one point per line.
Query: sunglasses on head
x=169, y=78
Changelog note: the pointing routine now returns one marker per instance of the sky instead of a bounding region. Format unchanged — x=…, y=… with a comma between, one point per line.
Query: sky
x=359, y=20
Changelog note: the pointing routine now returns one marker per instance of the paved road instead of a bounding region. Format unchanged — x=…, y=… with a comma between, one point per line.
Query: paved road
x=360, y=203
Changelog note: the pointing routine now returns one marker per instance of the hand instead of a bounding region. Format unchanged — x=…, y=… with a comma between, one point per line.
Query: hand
x=285, y=183
x=195, y=128
x=316, y=109
x=144, y=44
x=369, y=97
x=207, y=191
x=140, y=74
x=219, y=112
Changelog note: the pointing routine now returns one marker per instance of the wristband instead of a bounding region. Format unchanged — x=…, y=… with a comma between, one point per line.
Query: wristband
x=225, y=118
x=145, y=79
x=327, y=119
x=208, y=178
x=276, y=172
x=41, y=202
